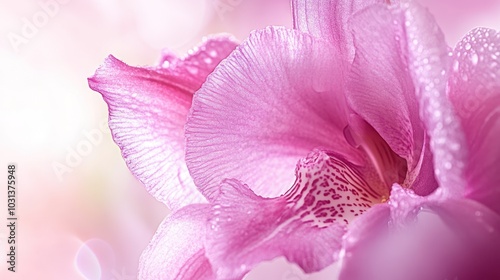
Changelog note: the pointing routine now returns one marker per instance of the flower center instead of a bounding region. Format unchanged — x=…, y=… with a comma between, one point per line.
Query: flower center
x=387, y=165
x=329, y=188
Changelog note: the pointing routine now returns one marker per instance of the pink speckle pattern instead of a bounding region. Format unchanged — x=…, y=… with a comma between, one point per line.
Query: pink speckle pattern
x=328, y=189
x=308, y=220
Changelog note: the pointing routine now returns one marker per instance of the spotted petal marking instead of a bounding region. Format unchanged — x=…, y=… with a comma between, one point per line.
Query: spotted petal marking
x=305, y=225
x=328, y=189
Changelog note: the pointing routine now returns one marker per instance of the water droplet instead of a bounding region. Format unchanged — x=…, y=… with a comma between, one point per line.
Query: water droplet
x=212, y=53
x=448, y=165
x=474, y=58
x=468, y=46
x=166, y=64
x=192, y=70
x=207, y=60
x=455, y=146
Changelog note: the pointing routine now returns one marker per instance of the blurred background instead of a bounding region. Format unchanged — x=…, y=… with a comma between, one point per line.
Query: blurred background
x=81, y=214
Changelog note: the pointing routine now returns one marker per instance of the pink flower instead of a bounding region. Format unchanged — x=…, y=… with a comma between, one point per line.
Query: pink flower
x=397, y=173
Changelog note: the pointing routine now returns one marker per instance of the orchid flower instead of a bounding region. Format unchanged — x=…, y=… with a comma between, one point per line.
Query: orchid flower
x=358, y=136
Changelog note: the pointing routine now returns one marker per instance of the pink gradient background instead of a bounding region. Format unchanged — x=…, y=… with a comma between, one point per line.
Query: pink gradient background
x=94, y=222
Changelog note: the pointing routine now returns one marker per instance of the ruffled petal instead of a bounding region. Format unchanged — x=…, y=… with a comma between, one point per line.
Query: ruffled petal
x=413, y=238
x=147, y=113
x=274, y=99
x=429, y=63
x=305, y=225
x=475, y=93
x=177, y=250
x=329, y=20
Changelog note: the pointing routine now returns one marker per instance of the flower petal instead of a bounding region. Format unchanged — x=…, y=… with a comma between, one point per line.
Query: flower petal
x=200, y=61
x=380, y=87
x=429, y=61
x=177, y=249
x=274, y=99
x=457, y=239
x=424, y=182
x=329, y=19
x=389, y=167
x=305, y=225
x=475, y=93
x=147, y=113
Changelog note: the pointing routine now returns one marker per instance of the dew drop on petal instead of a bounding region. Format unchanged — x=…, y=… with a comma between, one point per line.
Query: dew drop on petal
x=455, y=146
x=474, y=58
x=448, y=165
x=192, y=70
x=212, y=53
x=207, y=60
